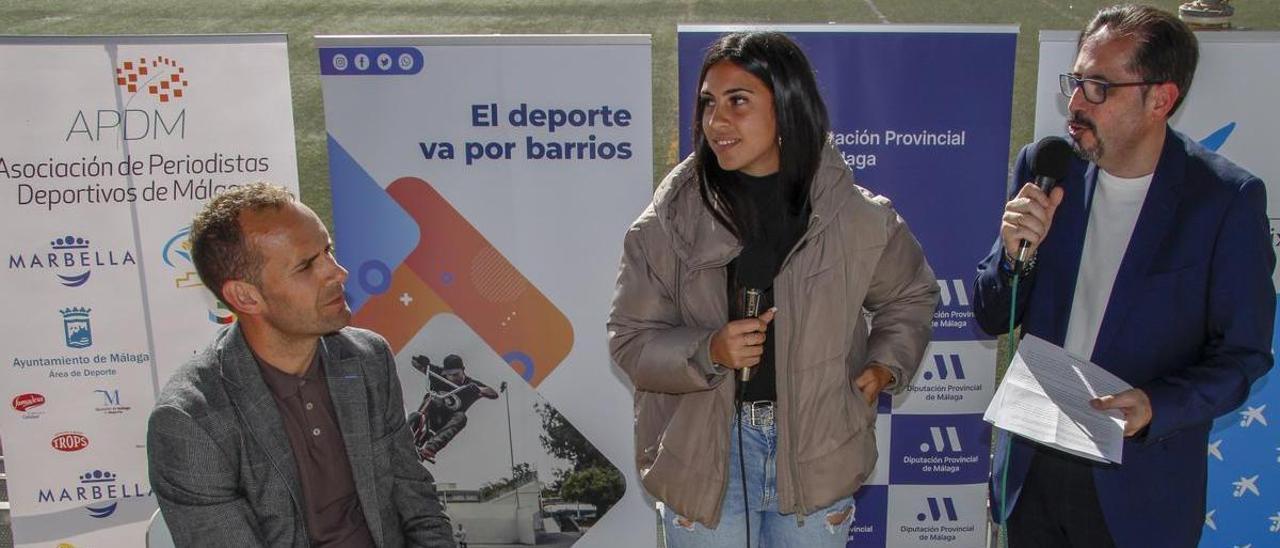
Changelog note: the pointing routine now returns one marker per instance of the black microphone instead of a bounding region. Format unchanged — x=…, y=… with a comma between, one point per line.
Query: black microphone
x=1050, y=159
x=753, y=281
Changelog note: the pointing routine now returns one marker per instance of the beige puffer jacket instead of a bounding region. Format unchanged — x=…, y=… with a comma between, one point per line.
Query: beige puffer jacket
x=856, y=254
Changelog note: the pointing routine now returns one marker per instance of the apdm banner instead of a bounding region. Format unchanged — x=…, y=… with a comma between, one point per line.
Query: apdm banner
x=109, y=146
x=922, y=116
x=482, y=187
x=1230, y=109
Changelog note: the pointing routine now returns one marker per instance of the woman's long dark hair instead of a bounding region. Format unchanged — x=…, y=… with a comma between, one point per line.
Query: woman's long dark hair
x=800, y=118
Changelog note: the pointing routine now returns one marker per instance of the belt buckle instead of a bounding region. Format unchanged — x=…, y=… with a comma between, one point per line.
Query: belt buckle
x=759, y=413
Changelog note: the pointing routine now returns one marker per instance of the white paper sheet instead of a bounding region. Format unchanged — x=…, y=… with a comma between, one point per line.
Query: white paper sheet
x=1045, y=397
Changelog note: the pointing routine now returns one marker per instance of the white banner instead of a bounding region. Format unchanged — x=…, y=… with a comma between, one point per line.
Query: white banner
x=482, y=187
x=1231, y=109
x=109, y=146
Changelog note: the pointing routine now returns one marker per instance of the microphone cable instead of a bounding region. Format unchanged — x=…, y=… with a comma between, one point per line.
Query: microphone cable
x=740, y=394
x=1004, y=466
x=1050, y=162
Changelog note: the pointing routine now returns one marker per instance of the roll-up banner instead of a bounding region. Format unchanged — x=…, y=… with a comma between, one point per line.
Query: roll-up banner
x=109, y=146
x=482, y=186
x=1230, y=109
x=922, y=116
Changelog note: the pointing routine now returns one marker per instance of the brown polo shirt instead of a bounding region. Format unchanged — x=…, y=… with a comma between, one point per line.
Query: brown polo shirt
x=334, y=516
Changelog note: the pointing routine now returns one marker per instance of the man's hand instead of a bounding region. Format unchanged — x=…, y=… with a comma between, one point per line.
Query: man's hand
x=1135, y=405
x=1027, y=217
x=872, y=380
x=427, y=454
x=740, y=343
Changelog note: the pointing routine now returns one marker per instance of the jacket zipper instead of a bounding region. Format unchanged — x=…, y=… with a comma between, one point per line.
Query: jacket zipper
x=793, y=465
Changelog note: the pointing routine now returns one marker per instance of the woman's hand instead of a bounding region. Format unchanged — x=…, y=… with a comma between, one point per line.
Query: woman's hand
x=740, y=343
x=872, y=380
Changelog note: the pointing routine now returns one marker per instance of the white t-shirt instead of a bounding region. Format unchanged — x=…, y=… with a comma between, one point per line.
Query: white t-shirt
x=1116, y=204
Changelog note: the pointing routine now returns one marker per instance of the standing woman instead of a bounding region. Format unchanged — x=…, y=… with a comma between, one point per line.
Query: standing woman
x=764, y=203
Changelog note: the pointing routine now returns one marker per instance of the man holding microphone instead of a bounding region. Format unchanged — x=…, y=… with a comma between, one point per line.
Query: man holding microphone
x=1152, y=259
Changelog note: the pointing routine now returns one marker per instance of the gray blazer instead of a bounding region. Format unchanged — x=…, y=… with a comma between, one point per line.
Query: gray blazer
x=222, y=469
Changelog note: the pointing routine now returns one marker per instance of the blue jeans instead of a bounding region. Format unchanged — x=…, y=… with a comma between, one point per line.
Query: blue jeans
x=769, y=529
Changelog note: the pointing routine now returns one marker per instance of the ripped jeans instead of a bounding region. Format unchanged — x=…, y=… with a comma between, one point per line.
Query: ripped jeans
x=825, y=527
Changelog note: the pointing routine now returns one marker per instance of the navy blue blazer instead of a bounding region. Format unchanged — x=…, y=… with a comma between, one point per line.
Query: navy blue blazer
x=1189, y=322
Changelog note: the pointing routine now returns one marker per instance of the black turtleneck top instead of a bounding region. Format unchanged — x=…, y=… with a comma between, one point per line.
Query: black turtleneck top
x=769, y=230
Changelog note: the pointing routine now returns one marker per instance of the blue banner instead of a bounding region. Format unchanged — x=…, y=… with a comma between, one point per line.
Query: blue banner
x=922, y=115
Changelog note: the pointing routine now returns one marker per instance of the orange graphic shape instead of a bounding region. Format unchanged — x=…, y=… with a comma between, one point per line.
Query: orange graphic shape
x=395, y=319
x=455, y=269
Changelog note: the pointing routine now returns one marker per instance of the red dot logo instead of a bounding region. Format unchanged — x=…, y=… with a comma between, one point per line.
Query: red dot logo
x=160, y=77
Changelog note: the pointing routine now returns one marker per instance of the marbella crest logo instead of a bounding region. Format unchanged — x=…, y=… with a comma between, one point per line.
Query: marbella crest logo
x=160, y=77
x=72, y=259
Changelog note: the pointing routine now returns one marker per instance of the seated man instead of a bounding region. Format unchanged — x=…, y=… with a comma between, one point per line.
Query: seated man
x=289, y=429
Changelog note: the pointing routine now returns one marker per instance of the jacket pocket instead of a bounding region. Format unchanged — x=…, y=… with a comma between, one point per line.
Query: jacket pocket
x=832, y=414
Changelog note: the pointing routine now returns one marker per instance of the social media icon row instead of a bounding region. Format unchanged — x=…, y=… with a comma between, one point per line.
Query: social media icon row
x=384, y=62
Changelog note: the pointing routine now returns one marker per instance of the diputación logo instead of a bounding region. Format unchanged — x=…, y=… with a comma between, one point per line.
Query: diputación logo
x=160, y=77
x=953, y=311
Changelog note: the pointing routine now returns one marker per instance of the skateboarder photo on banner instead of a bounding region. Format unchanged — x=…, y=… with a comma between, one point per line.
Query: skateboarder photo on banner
x=443, y=412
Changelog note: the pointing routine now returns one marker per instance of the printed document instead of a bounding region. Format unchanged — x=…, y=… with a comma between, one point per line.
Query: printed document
x=1045, y=397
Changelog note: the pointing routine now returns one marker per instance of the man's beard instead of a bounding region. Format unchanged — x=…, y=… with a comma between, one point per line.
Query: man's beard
x=1090, y=154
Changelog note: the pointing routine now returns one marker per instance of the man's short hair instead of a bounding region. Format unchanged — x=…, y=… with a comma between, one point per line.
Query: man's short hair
x=1167, y=50
x=218, y=247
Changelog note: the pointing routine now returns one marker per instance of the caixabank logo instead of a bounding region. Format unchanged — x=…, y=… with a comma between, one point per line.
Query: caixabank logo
x=176, y=255
x=99, y=490
x=939, y=450
x=72, y=259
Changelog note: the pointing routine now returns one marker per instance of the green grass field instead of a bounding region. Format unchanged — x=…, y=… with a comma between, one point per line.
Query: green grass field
x=303, y=19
